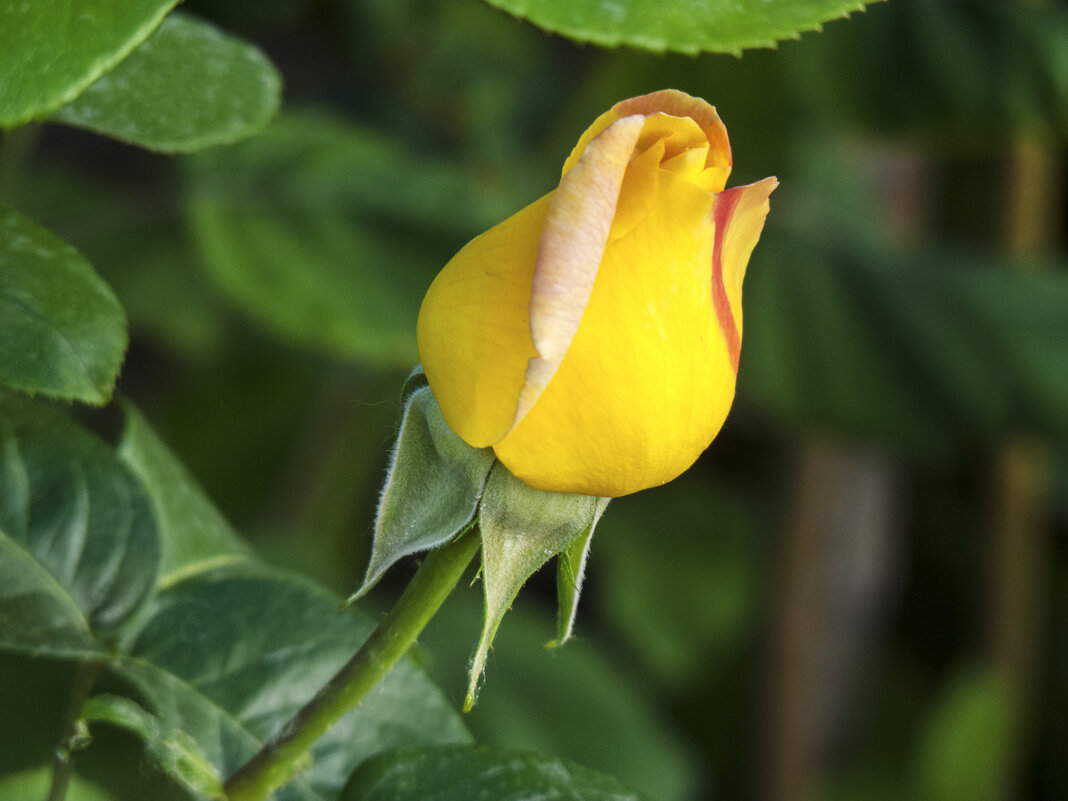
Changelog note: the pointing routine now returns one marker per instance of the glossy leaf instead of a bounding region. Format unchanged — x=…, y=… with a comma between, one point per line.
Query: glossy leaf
x=191, y=528
x=463, y=773
x=229, y=654
x=432, y=489
x=50, y=50
x=186, y=87
x=79, y=549
x=686, y=27
x=62, y=332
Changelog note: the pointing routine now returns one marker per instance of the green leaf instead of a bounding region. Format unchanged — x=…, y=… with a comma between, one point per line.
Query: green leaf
x=79, y=549
x=34, y=783
x=177, y=754
x=191, y=528
x=50, y=50
x=229, y=654
x=966, y=748
x=224, y=652
x=522, y=529
x=186, y=87
x=461, y=773
x=62, y=332
x=584, y=702
x=432, y=489
x=686, y=26
x=329, y=235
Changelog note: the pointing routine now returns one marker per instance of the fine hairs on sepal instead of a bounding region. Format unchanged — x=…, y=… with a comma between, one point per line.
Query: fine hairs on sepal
x=432, y=487
x=437, y=487
x=522, y=529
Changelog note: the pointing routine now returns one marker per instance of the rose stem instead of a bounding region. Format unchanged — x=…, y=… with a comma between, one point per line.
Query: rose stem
x=281, y=758
x=63, y=759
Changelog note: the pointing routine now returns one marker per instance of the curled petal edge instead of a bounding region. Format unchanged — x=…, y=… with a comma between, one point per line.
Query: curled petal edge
x=738, y=214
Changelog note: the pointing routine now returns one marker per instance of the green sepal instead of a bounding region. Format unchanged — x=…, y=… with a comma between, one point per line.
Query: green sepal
x=433, y=486
x=522, y=529
x=176, y=753
x=570, y=572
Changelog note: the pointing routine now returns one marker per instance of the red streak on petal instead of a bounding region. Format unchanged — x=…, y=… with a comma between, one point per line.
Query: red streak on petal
x=721, y=215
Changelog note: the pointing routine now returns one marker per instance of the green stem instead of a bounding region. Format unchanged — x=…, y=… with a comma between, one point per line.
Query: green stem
x=63, y=760
x=280, y=759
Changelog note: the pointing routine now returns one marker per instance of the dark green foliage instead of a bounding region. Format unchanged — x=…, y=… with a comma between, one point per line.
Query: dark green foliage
x=257, y=302
x=477, y=773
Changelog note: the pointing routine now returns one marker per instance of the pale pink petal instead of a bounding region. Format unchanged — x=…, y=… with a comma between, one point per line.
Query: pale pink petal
x=570, y=250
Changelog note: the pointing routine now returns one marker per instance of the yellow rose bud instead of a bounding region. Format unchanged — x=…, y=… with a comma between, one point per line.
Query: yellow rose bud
x=592, y=338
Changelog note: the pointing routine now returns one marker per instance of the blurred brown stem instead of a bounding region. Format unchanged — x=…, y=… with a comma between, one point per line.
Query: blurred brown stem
x=840, y=552
x=839, y=559
x=1022, y=471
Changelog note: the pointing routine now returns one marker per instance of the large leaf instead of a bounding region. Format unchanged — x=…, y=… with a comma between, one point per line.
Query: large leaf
x=224, y=652
x=187, y=87
x=330, y=235
x=230, y=654
x=79, y=549
x=462, y=773
x=265, y=643
x=62, y=332
x=50, y=50
x=191, y=528
x=687, y=26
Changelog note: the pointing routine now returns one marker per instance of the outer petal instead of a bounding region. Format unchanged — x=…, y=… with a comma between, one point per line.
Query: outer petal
x=648, y=380
x=739, y=218
x=573, y=240
x=474, y=330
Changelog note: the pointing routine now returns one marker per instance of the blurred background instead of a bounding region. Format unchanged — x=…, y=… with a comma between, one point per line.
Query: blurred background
x=861, y=591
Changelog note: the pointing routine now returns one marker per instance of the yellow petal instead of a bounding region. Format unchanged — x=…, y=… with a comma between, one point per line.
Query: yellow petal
x=647, y=381
x=474, y=328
